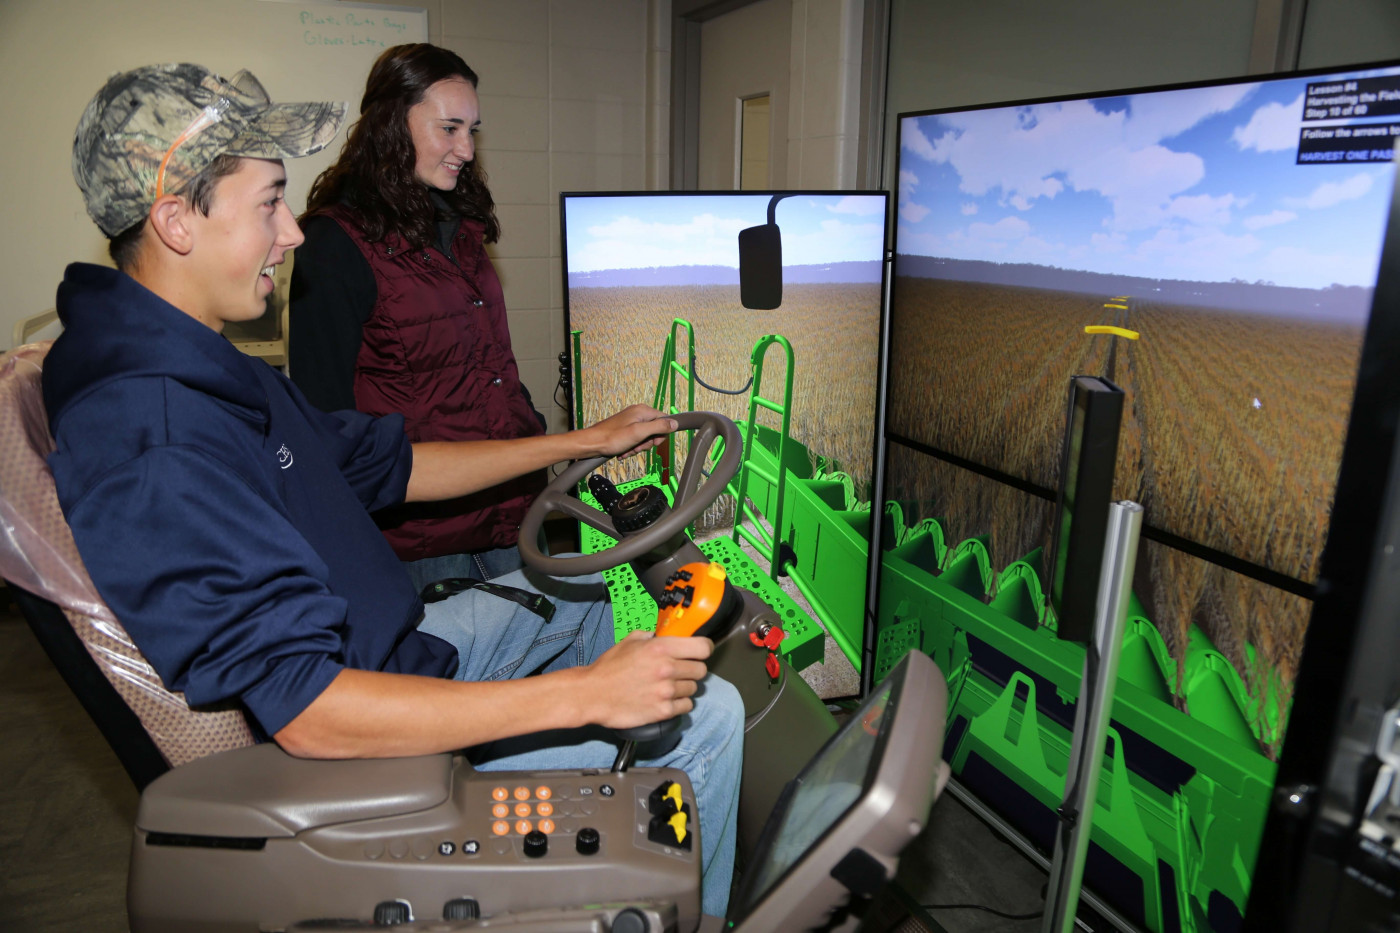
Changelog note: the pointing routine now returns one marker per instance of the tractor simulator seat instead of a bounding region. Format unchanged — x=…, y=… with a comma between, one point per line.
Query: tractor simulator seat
x=232, y=835
x=150, y=728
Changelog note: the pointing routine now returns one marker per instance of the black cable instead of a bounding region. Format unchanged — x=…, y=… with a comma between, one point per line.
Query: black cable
x=990, y=910
x=695, y=373
x=721, y=391
x=565, y=382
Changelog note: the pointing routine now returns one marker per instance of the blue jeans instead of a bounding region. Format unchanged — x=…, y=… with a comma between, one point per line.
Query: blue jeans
x=479, y=565
x=497, y=639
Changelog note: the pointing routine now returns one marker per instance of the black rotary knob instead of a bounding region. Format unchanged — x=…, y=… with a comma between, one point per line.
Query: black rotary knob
x=638, y=508
x=630, y=920
x=587, y=841
x=536, y=844
x=391, y=913
x=461, y=908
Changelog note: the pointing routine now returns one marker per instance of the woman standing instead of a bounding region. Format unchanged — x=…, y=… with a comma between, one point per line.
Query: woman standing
x=397, y=308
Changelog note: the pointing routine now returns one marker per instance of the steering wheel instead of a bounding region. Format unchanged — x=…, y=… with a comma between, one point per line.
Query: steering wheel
x=692, y=497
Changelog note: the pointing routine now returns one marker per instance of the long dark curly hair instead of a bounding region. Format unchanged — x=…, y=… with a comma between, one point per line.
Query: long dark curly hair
x=374, y=175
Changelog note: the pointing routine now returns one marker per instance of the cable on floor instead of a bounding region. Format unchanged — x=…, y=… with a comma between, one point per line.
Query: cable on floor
x=990, y=910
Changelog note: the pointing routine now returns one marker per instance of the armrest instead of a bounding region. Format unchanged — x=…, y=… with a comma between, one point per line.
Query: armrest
x=260, y=791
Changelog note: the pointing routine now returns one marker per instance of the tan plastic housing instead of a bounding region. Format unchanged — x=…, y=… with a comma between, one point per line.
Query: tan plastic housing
x=256, y=840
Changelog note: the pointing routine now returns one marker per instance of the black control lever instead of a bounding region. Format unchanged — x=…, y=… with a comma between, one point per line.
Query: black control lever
x=604, y=491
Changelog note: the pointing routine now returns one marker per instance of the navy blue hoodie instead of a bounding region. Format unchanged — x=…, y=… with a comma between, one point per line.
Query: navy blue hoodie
x=223, y=518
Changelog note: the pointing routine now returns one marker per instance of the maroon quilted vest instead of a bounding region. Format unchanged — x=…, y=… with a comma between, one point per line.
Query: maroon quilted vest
x=437, y=349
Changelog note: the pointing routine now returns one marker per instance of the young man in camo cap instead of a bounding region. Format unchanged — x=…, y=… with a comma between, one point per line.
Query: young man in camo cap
x=226, y=521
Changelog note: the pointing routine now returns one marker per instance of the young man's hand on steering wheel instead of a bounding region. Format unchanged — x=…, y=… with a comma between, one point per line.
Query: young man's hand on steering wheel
x=634, y=429
x=448, y=469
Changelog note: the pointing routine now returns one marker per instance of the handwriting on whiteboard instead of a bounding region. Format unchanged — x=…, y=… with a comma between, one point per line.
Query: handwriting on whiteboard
x=350, y=29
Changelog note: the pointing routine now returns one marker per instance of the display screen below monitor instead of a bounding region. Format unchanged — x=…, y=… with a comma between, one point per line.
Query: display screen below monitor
x=859, y=801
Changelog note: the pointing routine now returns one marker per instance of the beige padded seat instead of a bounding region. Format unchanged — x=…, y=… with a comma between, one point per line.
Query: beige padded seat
x=37, y=554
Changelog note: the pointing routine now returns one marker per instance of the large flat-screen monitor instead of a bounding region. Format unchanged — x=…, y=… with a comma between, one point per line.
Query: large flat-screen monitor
x=636, y=261
x=655, y=314
x=1211, y=249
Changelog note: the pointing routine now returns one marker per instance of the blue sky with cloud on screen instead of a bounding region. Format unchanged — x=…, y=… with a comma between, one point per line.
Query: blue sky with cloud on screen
x=644, y=231
x=1195, y=183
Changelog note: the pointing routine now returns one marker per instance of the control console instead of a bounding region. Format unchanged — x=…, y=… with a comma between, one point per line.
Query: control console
x=443, y=842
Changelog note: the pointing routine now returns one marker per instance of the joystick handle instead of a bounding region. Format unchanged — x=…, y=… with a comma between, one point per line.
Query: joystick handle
x=698, y=599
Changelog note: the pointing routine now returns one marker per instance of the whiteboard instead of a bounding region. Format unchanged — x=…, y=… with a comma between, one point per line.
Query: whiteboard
x=56, y=54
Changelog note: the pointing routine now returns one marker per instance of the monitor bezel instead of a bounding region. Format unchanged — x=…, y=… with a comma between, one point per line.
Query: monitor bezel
x=904, y=777
x=881, y=360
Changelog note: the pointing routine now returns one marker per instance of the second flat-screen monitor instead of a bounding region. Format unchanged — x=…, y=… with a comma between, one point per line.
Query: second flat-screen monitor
x=1212, y=250
x=657, y=313
x=635, y=262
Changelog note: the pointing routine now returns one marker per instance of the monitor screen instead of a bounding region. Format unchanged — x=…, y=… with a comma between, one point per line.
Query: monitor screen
x=822, y=794
x=1212, y=250
x=656, y=314
x=1234, y=229
x=635, y=262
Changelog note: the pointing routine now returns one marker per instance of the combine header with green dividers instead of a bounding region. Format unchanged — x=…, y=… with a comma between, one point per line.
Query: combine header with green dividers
x=1182, y=799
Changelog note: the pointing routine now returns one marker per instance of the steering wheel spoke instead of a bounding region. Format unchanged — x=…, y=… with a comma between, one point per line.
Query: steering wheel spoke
x=699, y=447
x=593, y=518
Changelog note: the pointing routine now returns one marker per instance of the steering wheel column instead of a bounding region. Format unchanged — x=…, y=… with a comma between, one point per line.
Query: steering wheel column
x=636, y=511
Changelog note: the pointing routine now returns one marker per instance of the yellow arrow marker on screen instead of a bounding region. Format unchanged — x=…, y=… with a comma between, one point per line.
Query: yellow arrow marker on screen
x=1115, y=331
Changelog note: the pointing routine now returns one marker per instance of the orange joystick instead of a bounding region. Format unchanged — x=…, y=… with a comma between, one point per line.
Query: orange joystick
x=698, y=600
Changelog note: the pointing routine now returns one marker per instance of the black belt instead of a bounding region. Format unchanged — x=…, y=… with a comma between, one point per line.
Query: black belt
x=539, y=605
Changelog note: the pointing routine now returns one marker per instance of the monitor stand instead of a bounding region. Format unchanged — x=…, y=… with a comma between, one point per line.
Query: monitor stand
x=1091, y=717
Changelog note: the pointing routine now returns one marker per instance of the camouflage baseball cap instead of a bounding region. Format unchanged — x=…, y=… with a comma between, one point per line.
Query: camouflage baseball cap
x=152, y=130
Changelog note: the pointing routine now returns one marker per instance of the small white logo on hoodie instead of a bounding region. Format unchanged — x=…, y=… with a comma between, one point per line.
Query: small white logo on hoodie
x=284, y=457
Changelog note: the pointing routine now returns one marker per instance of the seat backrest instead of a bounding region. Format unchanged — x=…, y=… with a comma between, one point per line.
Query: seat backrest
x=38, y=556
x=27, y=327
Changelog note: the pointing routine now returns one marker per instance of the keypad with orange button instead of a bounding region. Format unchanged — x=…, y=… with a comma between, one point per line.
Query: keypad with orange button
x=532, y=809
